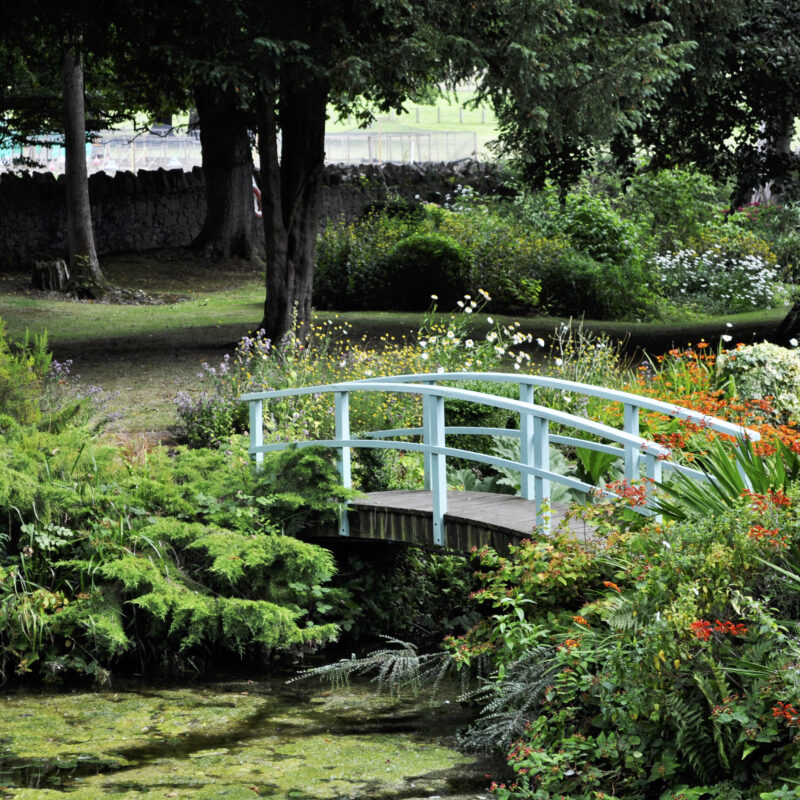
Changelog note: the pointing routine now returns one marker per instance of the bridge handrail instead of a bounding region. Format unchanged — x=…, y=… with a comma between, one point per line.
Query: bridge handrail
x=592, y=390
x=550, y=414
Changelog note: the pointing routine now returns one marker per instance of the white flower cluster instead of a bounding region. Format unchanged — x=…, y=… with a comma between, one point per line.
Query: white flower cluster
x=453, y=348
x=716, y=282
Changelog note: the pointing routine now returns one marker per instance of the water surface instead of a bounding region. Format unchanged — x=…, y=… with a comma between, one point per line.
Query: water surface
x=236, y=740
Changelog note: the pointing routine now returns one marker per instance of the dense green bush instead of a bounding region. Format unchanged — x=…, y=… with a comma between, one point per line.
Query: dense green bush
x=506, y=258
x=591, y=252
x=106, y=551
x=597, y=230
x=22, y=375
x=350, y=271
x=671, y=206
x=108, y=548
x=653, y=665
x=778, y=225
x=419, y=266
x=579, y=285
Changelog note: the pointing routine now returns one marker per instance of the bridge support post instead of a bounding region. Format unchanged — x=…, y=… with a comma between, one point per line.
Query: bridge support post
x=342, y=422
x=653, y=473
x=541, y=460
x=256, y=430
x=631, y=425
x=526, y=442
x=427, y=438
x=433, y=425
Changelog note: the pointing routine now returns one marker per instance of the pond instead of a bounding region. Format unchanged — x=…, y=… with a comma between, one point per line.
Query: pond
x=236, y=740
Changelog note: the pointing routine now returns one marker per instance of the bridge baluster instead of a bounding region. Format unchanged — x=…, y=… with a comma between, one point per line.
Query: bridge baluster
x=748, y=484
x=631, y=425
x=427, y=438
x=433, y=425
x=342, y=422
x=653, y=472
x=256, y=430
x=541, y=460
x=526, y=441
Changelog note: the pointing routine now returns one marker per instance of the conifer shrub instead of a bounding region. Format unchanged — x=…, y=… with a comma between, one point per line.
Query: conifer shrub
x=105, y=551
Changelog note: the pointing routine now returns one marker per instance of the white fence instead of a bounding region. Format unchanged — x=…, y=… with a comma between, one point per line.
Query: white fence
x=114, y=151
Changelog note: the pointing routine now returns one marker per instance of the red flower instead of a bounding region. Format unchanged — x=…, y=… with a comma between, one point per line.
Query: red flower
x=701, y=629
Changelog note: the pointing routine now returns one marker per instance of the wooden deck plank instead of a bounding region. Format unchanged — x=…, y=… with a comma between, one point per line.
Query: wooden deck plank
x=472, y=519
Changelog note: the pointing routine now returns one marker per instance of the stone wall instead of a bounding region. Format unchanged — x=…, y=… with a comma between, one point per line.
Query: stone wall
x=165, y=208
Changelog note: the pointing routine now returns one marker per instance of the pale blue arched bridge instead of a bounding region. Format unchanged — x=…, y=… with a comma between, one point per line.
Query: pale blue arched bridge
x=459, y=520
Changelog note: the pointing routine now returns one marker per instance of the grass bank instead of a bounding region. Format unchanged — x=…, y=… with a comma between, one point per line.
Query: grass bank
x=148, y=353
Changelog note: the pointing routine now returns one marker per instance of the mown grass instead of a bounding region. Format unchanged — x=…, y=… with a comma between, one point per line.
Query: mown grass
x=148, y=353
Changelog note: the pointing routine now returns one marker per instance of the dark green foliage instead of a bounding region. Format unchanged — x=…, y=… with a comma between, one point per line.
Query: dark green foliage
x=595, y=229
x=422, y=265
x=103, y=552
x=401, y=591
x=580, y=286
x=672, y=205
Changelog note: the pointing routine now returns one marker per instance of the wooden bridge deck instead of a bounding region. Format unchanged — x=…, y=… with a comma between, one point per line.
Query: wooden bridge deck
x=473, y=519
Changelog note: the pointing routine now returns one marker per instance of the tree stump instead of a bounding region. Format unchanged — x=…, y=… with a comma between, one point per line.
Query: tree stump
x=50, y=276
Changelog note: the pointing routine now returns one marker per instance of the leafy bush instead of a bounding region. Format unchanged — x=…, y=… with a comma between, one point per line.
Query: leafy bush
x=778, y=225
x=763, y=370
x=578, y=285
x=107, y=555
x=21, y=376
x=657, y=667
x=597, y=230
x=672, y=205
x=506, y=257
x=106, y=549
x=350, y=270
x=419, y=266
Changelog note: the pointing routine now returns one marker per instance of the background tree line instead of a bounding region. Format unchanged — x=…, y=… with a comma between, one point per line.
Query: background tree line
x=712, y=84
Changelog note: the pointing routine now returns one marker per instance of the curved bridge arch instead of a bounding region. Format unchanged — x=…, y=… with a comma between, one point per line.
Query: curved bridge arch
x=641, y=457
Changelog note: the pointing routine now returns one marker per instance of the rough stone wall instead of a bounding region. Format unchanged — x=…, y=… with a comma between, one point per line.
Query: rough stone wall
x=165, y=208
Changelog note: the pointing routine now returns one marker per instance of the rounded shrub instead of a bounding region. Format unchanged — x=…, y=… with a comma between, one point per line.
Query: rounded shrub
x=577, y=285
x=419, y=266
x=763, y=370
x=597, y=230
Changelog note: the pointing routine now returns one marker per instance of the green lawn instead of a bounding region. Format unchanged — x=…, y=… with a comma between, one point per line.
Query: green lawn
x=148, y=353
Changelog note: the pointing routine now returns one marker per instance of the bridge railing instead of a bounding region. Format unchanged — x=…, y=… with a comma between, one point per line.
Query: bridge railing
x=631, y=403
x=639, y=455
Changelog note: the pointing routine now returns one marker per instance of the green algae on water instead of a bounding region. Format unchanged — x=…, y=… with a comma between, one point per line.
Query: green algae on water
x=236, y=741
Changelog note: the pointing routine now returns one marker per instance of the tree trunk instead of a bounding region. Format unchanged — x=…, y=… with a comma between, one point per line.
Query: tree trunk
x=228, y=172
x=291, y=194
x=87, y=279
x=789, y=328
x=776, y=158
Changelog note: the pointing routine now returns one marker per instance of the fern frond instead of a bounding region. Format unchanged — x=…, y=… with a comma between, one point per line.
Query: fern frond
x=394, y=668
x=508, y=704
x=693, y=742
